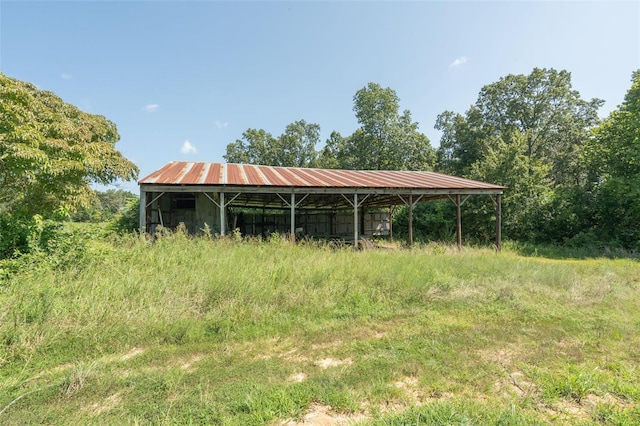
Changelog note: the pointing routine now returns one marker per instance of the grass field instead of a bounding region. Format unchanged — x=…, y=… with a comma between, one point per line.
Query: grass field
x=201, y=331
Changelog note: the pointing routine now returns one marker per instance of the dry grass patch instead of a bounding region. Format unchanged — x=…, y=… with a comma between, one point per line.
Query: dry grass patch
x=107, y=404
x=132, y=353
x=297, y=378
x=325, y=363
x=186, y=364
x=410, y=387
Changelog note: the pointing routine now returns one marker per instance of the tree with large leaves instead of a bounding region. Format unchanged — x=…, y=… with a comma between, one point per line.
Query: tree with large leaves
x=51, y=152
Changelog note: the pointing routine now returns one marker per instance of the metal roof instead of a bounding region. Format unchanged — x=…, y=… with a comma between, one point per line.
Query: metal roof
x=247, y=175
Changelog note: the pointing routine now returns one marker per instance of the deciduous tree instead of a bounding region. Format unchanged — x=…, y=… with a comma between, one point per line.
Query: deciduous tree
x=529, y=133
x=296, y=147
x=542, y=107
x=51, y=152
x=386, y=139
x=615, y=153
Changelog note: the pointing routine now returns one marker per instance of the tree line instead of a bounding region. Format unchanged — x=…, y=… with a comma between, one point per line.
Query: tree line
x=385, y=140
x=572, y=178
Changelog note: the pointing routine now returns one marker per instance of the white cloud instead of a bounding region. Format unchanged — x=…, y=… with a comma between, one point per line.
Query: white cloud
x=459, y=61
x=222, y=124
x=66, y=76
x=151, y=107
x=187, y=148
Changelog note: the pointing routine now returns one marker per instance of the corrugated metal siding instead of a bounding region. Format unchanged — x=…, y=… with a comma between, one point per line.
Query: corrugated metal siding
x=197, y=173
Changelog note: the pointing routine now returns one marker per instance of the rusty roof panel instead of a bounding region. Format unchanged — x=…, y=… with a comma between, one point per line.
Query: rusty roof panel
x=273, y=176
x=215, y=172
x=198, y=173
x=250, y=174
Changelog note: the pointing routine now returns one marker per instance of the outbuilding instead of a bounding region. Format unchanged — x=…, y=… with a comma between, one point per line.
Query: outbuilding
x=323, y=203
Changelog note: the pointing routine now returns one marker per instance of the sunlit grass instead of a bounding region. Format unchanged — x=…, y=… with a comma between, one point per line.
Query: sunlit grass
x=184, y=330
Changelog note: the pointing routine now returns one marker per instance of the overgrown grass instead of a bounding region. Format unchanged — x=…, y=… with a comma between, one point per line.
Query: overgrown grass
x=203, y=331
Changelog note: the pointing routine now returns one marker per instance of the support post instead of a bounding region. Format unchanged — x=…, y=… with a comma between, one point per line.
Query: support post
x=410, y=220
x=292, y=235
x=355, y=221
x=222, y=218
x=143, y=210
x=391, y=223
x=459, y=222
x=499, y=223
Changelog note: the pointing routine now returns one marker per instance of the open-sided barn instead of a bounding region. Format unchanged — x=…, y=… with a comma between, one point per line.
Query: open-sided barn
x=317, y=202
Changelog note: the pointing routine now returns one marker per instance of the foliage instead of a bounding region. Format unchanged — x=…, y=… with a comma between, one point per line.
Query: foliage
x=50, y=152
x=129, y=219
x=524, y=202
x=527, y=133
x=21, y=235
x=386, y=139
x=617, y=212
x=336, y=153
x=616, y=149
x=615, y=154
x=432, y=221
x=294, y=148
x=540, y=112
x=268, y=332
x=104, y=206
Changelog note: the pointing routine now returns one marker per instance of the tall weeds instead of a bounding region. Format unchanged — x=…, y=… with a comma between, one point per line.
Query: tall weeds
x=113, y=317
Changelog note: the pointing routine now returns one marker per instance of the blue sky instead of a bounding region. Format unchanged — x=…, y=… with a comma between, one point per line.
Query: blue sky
x=182, y=79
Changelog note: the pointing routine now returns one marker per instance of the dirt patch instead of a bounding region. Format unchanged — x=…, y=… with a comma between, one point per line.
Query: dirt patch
x=502, y=357
x=290, y=355
x=187, y=365
x=108, y=404
x=410, y=386
x=297, y=378
x=517, y=384
x=592, y=402
x=133, y=352
x=327, y=345
x=321, y=415
x=570, y=410
x=330, y=362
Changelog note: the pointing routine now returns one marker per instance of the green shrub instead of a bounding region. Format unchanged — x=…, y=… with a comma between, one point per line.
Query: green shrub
x=21, y=235
x=129, y=220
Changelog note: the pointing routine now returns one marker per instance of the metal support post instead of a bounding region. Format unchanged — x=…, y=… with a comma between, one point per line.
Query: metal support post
x=355, y=221
x=410, y=220
x=292, y=235
x=459, y=222
x=222, y=218
x=498, y=223
x=143, y=210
